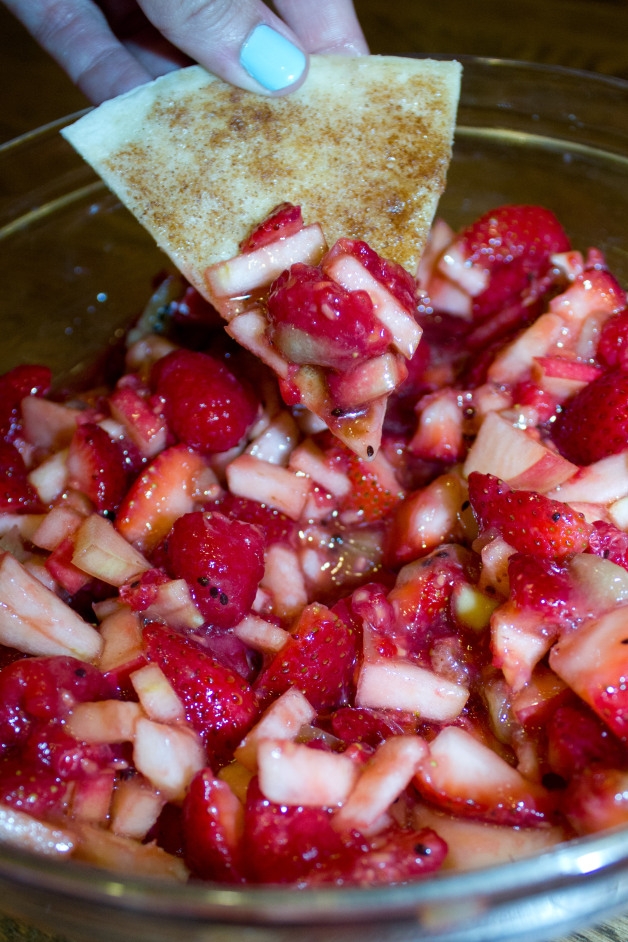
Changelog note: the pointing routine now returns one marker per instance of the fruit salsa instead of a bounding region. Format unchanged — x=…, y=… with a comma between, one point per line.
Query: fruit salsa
x=233, y=649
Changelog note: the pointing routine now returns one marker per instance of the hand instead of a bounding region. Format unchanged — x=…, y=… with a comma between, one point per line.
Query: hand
x=110, y=46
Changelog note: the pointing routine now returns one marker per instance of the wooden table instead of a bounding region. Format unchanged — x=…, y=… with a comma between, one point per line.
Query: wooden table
x=584, y=34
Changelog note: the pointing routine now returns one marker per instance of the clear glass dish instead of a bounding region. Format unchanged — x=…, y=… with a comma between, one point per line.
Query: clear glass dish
x=75, y=267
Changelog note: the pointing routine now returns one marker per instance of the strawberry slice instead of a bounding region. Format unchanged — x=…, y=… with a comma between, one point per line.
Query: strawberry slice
x=284, y=220
x=213, y=822
x=500, y=254
x=594, y=423
x=318, y=659
x=218, y=703
x=96, y=467
x=530, y=522
x=16, y=493
x=166, y=489
x=17, y=384
x=206, y=406
x=374, y=491
x=612, y=347
x=222, y=560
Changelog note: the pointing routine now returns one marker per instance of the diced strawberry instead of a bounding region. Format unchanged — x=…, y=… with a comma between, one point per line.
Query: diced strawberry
x=219, y=704
x=374, y=490
x=396, y=855
x=530, y=522
x=318, y=659
x=205, y=404
x=511, y=245
x=222, y=560
x=17, y=384
x=612, y=346
x=577, y=739
x=596, y=800
x=170, y=486
x=594, y=423
x=213, y=823
x=276, y=527
x=361, y=725
x=544, y=586
x=314, y=320
x=284, y=220
x=34, y=790
x=16, y=493
x=39, y=689
x=285, y=843
x=95, y=466
x=609, y=542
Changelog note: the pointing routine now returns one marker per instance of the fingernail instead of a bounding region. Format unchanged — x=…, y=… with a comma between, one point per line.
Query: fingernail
x=271, y=59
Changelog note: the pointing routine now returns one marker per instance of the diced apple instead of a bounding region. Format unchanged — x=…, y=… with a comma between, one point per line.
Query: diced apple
x=454, y=264
x=375, y=377
x=601, y=483
x=249, y=271
x=143, y=427
x=277, y=441
x=514, y=456
x=270, y=484
x=103, y=553
x=121, y=634
x=519, y=639
x=34, y=620
x=174, y=605
x=50, y=478
x=48, y=425
x=439, y=434
x=294, y=774
x=249, y=330
x=168, y=756
x=310, y=460
x=105, y=721
x=282, y=720
x=593, y=661
x=261, y=635
x=135, y=808
x=284, y=581
x=157, y=696
x=383, y=779
x=124, y=855
x=91, y=797
x=56, y=525
x=23, y=831
x=398, y=684
x=427, y=518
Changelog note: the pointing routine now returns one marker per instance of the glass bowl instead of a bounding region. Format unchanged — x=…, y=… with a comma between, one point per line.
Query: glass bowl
x=75, y=268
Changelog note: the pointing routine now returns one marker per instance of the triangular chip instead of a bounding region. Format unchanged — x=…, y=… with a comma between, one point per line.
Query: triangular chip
x=363, y=147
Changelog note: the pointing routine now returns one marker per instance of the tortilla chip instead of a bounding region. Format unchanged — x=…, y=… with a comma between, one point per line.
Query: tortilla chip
x=363, y=147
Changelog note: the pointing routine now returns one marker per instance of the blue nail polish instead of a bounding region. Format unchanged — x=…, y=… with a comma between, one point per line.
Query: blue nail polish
x=271, y=59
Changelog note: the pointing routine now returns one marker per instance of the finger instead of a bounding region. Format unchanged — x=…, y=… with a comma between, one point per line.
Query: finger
x=243, y=42
x=77, y=36
x=327, y=26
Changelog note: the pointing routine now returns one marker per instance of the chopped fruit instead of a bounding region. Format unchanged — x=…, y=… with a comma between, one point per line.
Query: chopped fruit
x=96, y=467
x=240, y=644
x=312, y=319
x=496, y=257
x=17, y=495
x=219, y=705
x=530, y=522
x=594, y=423
x=318, y=659
x=222, y=560
x=205, y=404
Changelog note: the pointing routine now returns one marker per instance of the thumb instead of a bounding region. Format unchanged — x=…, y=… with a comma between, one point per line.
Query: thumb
x=243, y=42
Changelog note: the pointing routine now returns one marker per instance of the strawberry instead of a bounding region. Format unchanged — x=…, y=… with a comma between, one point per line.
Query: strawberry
x=544, y=586
x=164, y=491
x=15, y=385
x=276, y=526
x=577, y=738
x=609, y=542
x=530, y=522
x=511, y=247
x=222, y=560
x=314, y=320
x=285, y=843
x=16, y=493
x=374, y=491
x=318, y=659
x=219, y=704
x=284, y=220
x=213, y=820
x=370, y=727
x=594, y=423
x=206, y=406
x=96, y=467
x=612, y=346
